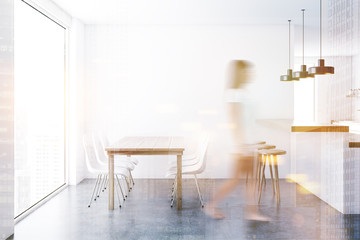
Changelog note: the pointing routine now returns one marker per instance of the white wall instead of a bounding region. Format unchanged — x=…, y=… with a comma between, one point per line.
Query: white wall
x=190, y=12
x=75, y=88
x=169, y=80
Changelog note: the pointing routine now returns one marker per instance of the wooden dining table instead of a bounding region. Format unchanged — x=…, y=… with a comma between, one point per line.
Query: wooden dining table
x=130, y=146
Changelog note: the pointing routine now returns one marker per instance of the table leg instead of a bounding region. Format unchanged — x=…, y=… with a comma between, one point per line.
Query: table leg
x=179, y=183
x=111, y=182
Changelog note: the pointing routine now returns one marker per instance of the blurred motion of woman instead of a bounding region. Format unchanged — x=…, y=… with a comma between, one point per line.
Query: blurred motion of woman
x=241, y=122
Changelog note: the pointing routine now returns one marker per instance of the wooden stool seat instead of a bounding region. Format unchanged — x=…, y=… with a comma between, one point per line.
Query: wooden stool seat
x=264, y=146
x=259, y=143
x=266, y=151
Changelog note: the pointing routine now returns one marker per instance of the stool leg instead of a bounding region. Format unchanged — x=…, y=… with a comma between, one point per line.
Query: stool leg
x=260, y=167
x=262, y=179
x=277, y=180
x=271, y=173
x=257, y=169
x=263, y=172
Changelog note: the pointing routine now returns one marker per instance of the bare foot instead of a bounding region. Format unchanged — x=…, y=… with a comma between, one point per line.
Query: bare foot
x=257, y=217
x=213, y=212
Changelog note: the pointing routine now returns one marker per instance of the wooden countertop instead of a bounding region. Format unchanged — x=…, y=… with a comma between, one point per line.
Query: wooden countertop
x=320, y=128
x=354, y=140
x=354, y=144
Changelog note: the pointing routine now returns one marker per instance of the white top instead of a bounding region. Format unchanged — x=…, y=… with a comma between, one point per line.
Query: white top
x=247, y=118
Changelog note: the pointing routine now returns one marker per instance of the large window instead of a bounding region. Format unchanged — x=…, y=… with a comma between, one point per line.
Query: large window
x=39, y=47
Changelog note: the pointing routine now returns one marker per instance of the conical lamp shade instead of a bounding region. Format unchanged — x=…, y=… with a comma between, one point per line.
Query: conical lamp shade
x=289, y=77
x=303, y=73
x=321, y=69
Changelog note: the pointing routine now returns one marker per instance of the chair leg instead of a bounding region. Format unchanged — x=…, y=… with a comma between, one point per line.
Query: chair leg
x=174, y=196
x=106, y=182
x=172, y=193
x=102, y=185
x=129, y=180
x=126, y=189
x=92, y=196
x=262, y=178
x=117, y=193
x=128, y=185
x=122, y=193
x=173, y=184
x=98, y=188
x=271, y=173
x=198, y=190
x=132, y=179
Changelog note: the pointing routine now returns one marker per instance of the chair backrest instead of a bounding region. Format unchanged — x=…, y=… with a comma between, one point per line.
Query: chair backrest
x=202, y=149
x=90, y=154
x=200, y=142
x=99, y=143
x=104, y=140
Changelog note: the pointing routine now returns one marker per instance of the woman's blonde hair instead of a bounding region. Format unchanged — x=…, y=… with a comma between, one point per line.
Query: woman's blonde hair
x=237, y=67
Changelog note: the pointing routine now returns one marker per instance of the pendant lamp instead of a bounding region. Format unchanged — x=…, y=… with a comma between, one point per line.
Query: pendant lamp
x=321, y=69
x=303, y=73
x=289, y=76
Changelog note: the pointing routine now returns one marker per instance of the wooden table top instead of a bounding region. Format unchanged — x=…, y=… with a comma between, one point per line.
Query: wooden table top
x=148, y=145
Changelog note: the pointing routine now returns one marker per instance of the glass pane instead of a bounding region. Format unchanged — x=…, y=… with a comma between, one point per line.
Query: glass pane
x=39, y=106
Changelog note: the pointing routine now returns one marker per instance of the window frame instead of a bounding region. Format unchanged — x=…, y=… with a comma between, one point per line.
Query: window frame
x=53, y=17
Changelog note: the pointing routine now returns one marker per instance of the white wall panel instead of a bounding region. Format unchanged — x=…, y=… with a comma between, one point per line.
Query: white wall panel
x=170, y=80
x=6, y=118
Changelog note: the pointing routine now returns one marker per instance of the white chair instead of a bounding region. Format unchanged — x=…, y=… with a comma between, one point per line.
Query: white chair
x=101, y=171
x=192, y=158
x=102, y=143
x=196, y=166
x=102, y=159
x=105, y=142
x=188, y=159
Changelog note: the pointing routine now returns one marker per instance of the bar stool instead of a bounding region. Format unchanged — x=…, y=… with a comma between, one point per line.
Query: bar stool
x=256, y=143
x=271, y=154
x=259, y=164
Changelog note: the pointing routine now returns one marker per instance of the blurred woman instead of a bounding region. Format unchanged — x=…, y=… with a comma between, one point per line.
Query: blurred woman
x=241, y=111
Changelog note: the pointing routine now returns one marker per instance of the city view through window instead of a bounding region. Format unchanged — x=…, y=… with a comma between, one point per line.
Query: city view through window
x=39, y=62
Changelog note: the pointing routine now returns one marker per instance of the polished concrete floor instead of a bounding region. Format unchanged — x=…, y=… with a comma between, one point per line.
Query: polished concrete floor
x=146, y=214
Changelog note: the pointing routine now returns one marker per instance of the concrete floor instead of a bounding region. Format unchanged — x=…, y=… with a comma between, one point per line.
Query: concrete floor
x=146, y=214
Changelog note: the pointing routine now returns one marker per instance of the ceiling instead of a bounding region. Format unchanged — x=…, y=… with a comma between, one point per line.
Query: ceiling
x=191, y=11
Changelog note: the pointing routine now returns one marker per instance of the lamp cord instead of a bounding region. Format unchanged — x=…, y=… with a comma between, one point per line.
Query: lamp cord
x=303, y=13
x=320, y=29
x=289, y=44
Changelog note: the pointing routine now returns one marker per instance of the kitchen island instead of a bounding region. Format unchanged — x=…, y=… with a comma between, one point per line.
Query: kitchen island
x=325, y=161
